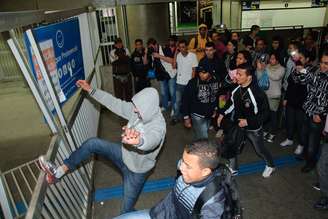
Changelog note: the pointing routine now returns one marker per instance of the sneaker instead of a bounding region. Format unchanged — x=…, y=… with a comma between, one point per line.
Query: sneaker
x=46, y=166
x=232, y=171
x=219, y=133
x=316, y=186
x=267, y=171
x=286, y=143
x=270, y=138
x=174, y=121
x=321, y=204
x=172, y=113
x=299, y=150
x=265, y=135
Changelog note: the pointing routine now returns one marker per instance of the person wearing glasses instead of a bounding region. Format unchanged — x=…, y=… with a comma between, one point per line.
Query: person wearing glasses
x=135, y=156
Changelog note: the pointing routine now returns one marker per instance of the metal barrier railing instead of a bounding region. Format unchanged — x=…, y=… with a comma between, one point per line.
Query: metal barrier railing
x=24, y=191
x=9, y=70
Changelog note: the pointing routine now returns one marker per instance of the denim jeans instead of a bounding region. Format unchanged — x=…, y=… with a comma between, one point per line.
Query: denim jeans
x=167, y=89
x=294, y=121
x=256, y=139
x=312, y=133
x=323, y=170
x=200, y=127
x=143, y=214
x=132, y=182
x=178, y=100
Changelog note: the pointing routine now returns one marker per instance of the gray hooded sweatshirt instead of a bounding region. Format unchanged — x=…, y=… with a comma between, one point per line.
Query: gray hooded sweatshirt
x=138, y=158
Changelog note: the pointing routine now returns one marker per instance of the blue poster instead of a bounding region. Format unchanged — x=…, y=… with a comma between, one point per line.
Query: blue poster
x=60, y=45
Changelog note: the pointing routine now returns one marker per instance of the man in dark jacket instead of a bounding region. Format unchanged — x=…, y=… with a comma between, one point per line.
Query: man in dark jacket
x=250, y=106
x=139, y=66
x=315, y=107
x=199, y=102
x=215, y=65
x=198, y=169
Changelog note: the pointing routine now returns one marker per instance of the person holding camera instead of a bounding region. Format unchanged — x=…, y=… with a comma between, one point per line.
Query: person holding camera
x=119, y=58
x=315, y=107
x=139, y=66
x=293, y=102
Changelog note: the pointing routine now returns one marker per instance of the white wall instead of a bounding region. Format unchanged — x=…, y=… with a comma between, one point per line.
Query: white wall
x=309, y=17
x=281, y=4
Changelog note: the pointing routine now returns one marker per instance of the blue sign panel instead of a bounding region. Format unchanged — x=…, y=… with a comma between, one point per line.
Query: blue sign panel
x=60, y=45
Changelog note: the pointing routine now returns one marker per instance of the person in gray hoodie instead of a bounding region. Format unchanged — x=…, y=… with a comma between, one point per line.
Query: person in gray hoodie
x=135, y=156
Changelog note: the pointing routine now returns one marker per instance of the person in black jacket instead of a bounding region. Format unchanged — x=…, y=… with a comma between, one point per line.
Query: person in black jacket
x=315, y=107
x=139, y=66
x=293, y=102
x=199, y=102
x=251, y=108
x=214, y=64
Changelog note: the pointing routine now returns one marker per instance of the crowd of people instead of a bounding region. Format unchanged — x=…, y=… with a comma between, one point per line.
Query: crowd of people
x=243, y=88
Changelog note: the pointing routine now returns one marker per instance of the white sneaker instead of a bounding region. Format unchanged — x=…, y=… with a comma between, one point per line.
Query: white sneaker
x=270, y=138
x=172, y=113
x=286, y=143
x=299, y=150
x=267, y=171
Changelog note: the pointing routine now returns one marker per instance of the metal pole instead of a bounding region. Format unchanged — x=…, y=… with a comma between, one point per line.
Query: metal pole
x=4, y=200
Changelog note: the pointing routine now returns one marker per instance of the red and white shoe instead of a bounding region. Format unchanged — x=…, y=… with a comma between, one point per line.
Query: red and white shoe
x=49, y=168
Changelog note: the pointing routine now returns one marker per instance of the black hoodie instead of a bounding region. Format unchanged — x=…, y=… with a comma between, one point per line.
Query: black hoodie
x=200, y=97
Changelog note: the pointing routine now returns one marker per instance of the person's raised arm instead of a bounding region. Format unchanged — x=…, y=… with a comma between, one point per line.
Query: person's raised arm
x=117, y=106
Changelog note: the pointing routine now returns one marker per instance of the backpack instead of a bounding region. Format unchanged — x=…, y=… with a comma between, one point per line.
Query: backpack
x=233, y=139
x=225, y=181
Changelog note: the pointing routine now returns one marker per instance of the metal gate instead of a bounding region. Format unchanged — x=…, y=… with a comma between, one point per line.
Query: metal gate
x=23, y=190
x=108, y=31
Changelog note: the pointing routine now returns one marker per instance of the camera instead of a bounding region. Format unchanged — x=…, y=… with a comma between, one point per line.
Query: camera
x=263, y=58
x=150, y=50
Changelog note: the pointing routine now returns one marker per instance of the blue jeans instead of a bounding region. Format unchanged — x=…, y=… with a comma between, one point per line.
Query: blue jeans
x=200, y=127
x=132, y=182
x=178, y=100
x=143, y=214
x=167, y=89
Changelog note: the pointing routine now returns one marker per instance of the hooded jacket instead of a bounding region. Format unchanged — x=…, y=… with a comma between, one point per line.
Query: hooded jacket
x=138, y=158
x=200, y=97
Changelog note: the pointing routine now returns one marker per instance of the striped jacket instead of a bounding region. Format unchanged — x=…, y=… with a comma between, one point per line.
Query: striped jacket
x=316, y=102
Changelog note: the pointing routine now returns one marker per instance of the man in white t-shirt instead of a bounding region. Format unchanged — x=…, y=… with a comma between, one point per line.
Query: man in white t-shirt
x=186, y=63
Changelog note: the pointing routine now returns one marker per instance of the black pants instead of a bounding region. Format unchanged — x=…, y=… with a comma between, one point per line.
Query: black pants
x=256, y=139
x=123, y=86
x=141, y=83
x=312, y=133
x=294, y=122
x=271, y=125
x=323, y=170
